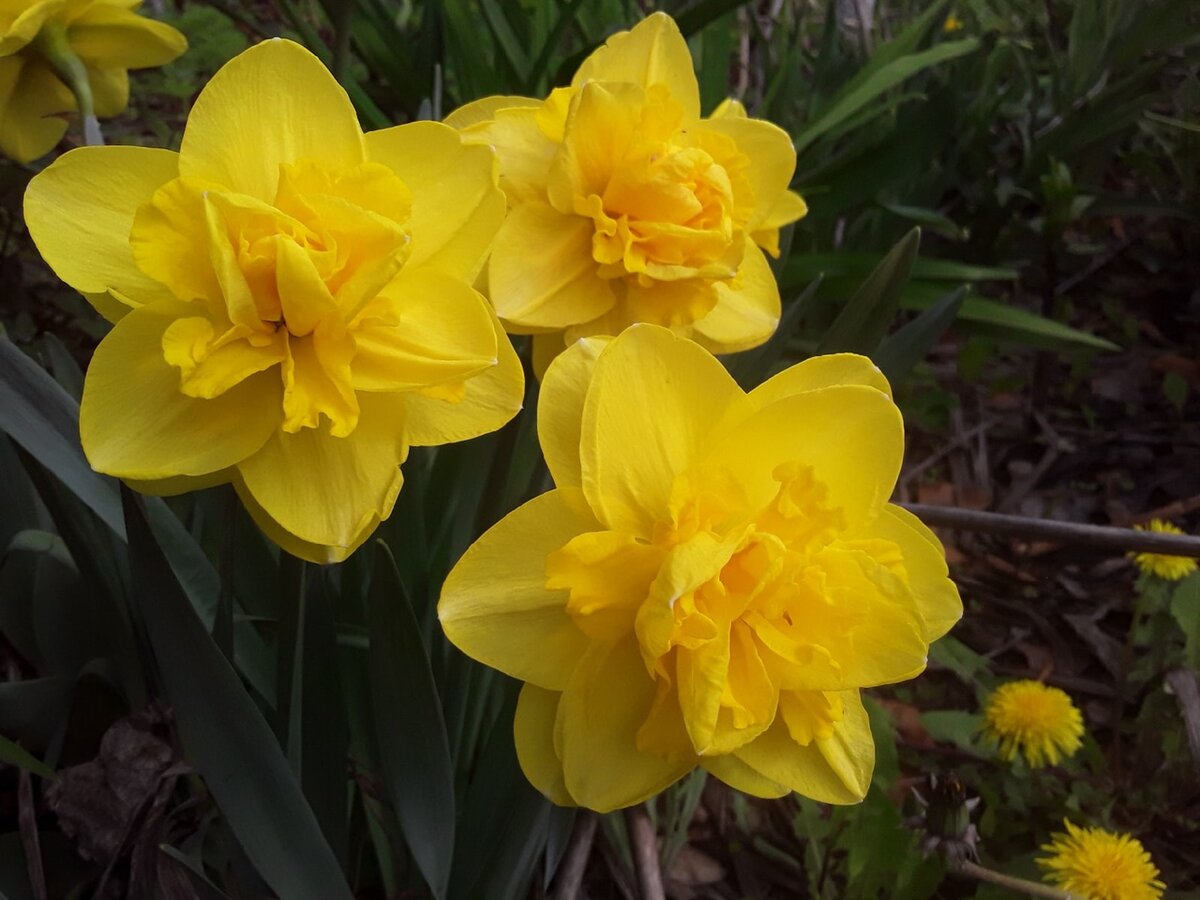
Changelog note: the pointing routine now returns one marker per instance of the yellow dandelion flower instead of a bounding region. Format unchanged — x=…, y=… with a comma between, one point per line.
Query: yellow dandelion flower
x=1099, y=865
x=952, y=24
x=1037, y=721
x=1168, y=568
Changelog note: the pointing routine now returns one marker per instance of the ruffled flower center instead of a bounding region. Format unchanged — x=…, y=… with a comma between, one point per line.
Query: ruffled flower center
x=740, y=618
x=301, y=283
x=668, y=202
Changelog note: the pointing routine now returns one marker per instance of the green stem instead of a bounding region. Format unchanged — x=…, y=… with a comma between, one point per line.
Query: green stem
x=55, y=48
x=1030, y=888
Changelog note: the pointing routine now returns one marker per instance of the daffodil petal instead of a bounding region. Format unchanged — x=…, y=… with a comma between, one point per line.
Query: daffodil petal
x=32, y=122
x=110, y=89
x=654, y=402
x=23, y=21
x=319, y=554
x=850, y=436
x=182, y=484
x=739, y=776
x=542, y=274
x=113, y=307
x=109, y=35
x=533, y=732
x=435, y=329
x=836, y=769
x=730, y=107
x=325, y=489
x=457, y=206
x=868, y=626
x=772, y=160
x=495, y=606
x=652, y=52
x=560, y=408
x=490, y=399
x=273, y=104
x=600, y=713
x=747, y=309
x=485, y=109
x=525, y=152
x=136, y=423
x=80, y=212
x=820, y=372
x=925, y=563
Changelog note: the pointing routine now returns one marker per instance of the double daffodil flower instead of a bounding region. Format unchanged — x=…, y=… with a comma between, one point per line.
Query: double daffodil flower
x=713, y=579
x=45, y=44
x=626, y=205
x=291, y=299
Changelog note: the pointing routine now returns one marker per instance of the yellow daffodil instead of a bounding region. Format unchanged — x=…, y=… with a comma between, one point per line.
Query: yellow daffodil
x=1160, y=565
x=1035, y=720
x=627, y=206
x=1095, y=864
x=291, y=299
x=37, y=36
x=711, y=582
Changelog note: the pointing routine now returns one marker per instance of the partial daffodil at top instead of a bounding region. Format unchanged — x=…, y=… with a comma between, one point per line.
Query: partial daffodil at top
x=712, y=581
x=291, y=299
x=106, y=36
x=627, y=206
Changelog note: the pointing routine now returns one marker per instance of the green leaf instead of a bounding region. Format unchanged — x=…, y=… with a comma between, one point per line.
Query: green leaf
x=804, y=267
x=700, y=14
x=857, y=95
x=322, y=738
x=414, y=751
x=930, y=219
x=567, y=13
x=225, y=736
x=883, y=730
x=16, y=755
x=205, y=889
x=864, y=320
x=504, y=819
x=900, y=352
x=953, y=726
x=950, y=653
x=1012, y=322
x=1185, y=607
x=43, y=419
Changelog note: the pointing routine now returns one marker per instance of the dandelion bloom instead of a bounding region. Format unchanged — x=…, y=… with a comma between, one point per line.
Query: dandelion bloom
x=711, y=582
x=106, y=36
x=1037, y=721
x=1168, y=568
x=1098, y=865
x=292, y=299
x=627, y=206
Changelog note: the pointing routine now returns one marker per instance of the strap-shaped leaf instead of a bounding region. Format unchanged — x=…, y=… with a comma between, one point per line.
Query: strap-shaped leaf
x=864, y=320
x=414, y=751
x=225, y=736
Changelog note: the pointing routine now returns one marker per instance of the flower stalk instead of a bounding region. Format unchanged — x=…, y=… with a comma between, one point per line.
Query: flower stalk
x=1021, y=885
x=54, y=47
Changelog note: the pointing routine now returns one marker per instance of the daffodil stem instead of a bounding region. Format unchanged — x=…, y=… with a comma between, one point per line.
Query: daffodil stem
x=643, y=845
x=54, y=46
x=1030, y=888
x=579, y=850
x=1102, y=536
